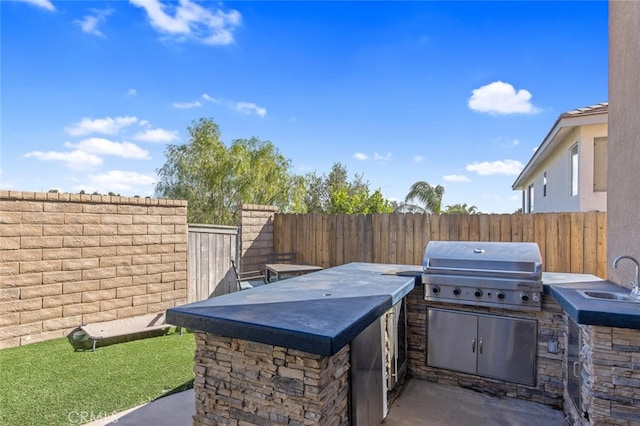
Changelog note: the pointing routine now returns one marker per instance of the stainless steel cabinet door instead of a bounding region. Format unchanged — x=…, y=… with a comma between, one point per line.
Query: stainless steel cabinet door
x=367, y=376
x=507, y=349
x=452, y=340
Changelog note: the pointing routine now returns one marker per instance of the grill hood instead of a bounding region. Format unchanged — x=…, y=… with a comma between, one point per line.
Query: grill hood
x=483, y=259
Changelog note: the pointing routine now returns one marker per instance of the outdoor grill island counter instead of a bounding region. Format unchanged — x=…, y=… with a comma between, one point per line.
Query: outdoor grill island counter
x=282, y=353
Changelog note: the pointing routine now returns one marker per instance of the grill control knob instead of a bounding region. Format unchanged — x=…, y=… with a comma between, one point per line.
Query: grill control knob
x=524, y=297
x=435, y=290
x=501, y=295
x=477, y=292
x=457, y=291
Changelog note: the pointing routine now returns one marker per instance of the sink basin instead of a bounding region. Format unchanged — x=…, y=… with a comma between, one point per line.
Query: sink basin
x=608, y=295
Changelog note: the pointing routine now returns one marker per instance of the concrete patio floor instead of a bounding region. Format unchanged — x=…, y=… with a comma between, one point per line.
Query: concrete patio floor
x=420, y=403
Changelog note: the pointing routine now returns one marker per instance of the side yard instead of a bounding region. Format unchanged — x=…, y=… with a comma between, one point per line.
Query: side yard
x=48, y=383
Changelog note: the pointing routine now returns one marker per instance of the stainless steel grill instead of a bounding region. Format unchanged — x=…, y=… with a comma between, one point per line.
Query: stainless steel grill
x=505, y=275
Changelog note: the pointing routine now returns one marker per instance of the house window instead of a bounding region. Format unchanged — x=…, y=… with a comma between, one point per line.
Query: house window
x=600, y=164
x=574, y=170
x=544, y=184
x=530, y=198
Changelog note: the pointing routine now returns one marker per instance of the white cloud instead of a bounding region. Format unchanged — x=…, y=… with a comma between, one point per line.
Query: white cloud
x=117, y=180
x=516, y=142
x=46, y=4
x=208, y=98
x=360, y=156
x=132, y=92
x=107, y=147
x=379, y=157
x=189, y=20
x=157, y=135
x=107, y=126
x=500, y=167
x=502, y=99
x=187, y=105
x=248, y=108
x=89, y=23
x=456, y=178
x=418, y=159
x=78, y=160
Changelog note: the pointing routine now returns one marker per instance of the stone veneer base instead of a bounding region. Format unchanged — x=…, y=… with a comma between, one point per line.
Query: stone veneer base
x=240, y=382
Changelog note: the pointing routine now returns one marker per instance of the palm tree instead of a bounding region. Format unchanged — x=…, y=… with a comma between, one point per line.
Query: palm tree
x=461, y=209
x=430, y=196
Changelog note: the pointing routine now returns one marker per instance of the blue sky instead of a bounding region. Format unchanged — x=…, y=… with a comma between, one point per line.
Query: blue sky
x=453, y=93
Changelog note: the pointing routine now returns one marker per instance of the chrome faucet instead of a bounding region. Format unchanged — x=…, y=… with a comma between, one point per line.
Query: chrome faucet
x=635, y=286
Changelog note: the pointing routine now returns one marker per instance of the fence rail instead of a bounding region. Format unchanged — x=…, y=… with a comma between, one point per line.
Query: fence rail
x=569, y=242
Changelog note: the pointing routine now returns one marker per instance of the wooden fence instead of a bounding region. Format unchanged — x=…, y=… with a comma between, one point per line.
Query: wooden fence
x=210, y=249
x=569, y=242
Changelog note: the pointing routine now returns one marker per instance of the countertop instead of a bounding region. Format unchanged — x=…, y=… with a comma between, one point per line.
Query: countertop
x=320, y=312
x=563, y=288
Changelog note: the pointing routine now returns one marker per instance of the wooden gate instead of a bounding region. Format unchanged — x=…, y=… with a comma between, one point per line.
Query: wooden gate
x=210, y=249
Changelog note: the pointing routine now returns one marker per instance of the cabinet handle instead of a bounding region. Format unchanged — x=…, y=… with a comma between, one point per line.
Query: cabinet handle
x=575, y=364
x=473, y=345
x=480, y=345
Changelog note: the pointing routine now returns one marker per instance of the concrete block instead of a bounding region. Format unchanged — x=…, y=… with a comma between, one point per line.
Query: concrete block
x=62, y=207
x=61, y=253
x=40, y=266
x=100, y=317
x=61, y=276
x=11, y=318
x=80, y=264
x=146, y=299
x=80, y=309
x=81, y=241
x=160, y=229
x=21, y=230
x=80, y=286
x=130, y=271
x=109, y=305
x=146, y=279
x=10, y=243
x=107, y=262
x=115, y=282
x=40, y=242
x=7, y=217
x=60, y=300
x=99, y=273
x=117, y=219
x=101, y=209
x=142, y=240
x=82, y=218
x=132, y=229
x=98, y=295
x=100, y=229
x=132, y=311
x=49, y=218
x=148, y=259
x=174, y=276
x=99, y=251
x=40, y=291
x=131, y=250
x=40, y=315
x=119, y=240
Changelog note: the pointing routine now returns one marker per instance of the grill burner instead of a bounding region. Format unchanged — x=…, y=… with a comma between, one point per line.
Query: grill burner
x=505, y=275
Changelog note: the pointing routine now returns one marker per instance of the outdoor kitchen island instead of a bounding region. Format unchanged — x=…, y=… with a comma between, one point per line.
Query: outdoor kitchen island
x=282, y=353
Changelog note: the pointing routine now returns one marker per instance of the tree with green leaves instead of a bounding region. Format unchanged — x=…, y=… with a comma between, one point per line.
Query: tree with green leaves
x=463, y=208
x=215, y=179
x=335, y=194
x=428, y=195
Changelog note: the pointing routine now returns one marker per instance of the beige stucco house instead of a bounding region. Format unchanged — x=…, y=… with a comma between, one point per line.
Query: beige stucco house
x=568, y=171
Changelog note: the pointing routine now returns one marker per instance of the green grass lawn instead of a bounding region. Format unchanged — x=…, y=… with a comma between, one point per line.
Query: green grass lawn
x=49, y=384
